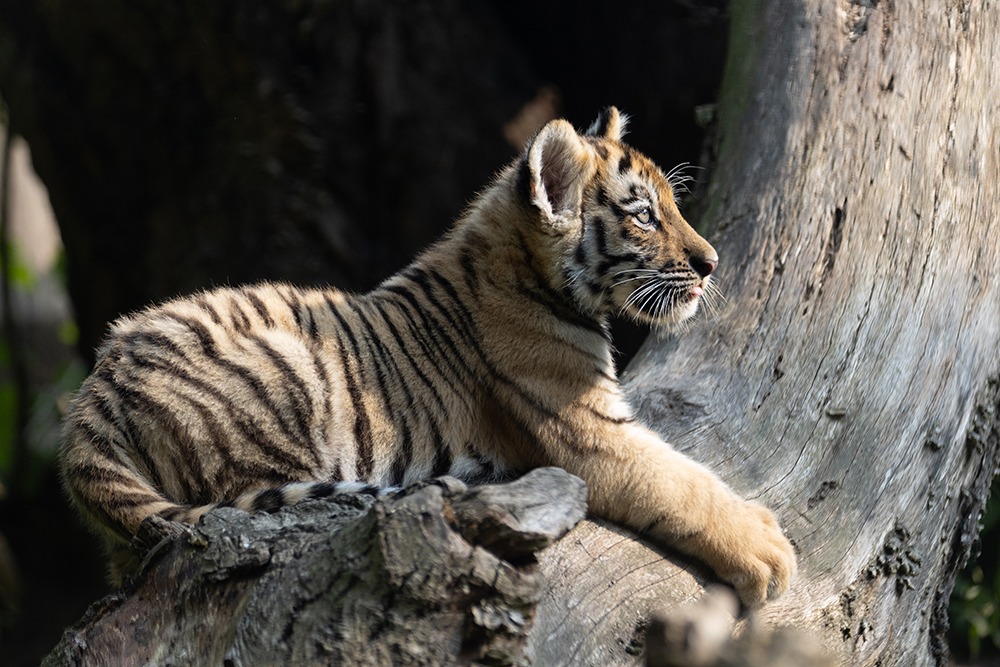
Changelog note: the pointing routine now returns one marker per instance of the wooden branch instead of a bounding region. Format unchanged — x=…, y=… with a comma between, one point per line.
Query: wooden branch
x=435, y=574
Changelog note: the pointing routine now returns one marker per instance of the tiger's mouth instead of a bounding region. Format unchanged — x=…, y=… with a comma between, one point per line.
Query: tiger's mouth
x=658, y=298
x=665, y=304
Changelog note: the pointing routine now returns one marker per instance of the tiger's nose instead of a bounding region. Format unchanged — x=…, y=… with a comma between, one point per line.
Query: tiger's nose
x=705, y=264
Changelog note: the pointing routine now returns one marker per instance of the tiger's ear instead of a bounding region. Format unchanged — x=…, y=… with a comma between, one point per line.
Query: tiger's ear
x=610, y=124
x=559, y=164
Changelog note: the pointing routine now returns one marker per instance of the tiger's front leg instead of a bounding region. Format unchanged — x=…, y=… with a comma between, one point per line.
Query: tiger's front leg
x=636, y=479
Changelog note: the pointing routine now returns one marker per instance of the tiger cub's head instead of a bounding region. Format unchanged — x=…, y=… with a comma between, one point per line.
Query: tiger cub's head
x=623, y=247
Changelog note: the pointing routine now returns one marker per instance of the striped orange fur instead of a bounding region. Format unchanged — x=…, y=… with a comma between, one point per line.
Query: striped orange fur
x=487, y=356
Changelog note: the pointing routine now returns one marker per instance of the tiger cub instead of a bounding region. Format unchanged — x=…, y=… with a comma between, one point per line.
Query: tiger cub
x=489, y=355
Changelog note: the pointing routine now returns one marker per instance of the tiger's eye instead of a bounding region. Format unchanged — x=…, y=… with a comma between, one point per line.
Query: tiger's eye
x=643, y=217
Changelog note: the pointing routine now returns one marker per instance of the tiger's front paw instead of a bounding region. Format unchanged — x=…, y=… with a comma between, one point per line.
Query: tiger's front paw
x=753, y=554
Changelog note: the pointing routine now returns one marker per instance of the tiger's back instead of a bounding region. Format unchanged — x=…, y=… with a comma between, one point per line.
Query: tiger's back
x=488, y=355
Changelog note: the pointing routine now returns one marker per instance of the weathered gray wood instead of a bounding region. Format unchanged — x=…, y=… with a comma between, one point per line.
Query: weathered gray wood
x=851, y=380
x=345, y=581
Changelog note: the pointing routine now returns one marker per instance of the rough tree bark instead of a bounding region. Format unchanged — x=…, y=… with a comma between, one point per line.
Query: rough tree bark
x=851, y=382
x=436, y=575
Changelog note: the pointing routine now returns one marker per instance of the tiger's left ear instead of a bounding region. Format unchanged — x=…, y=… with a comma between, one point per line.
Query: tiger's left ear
x=559, y=164
x=610, y=124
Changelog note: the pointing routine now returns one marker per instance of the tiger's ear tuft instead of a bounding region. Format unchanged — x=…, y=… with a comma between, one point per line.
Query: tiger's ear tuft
x=559, y=164
x=610, y=124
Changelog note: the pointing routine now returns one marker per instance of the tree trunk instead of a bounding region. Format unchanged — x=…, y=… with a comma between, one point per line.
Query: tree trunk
x=851, y=381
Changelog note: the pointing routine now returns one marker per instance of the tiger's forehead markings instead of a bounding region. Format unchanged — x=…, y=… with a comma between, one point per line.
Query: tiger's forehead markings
x=625, y=163
x=600, y=146
x=638, y=192
x=653, y=175
x=603, y=199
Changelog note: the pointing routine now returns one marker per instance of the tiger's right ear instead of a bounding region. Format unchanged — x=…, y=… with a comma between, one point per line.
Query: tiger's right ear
x=559, y=164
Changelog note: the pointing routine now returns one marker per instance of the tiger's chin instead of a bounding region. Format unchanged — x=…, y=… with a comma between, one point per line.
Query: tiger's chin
x=662, y=315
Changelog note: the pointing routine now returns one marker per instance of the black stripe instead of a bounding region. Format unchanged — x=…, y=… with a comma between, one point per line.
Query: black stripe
x=124, y=422
x=611, y=260
x=417, y=334
x=450, y=363
x=442, y=460
x=233, y=469
x=531, y=401
x=554, y=303
x=200, y=331
x=400, y=462
x=362, y=426
x=101, y=443
x=136, y=499
x=602, y=196
x=313, y=325
x=321, y=490
x=608, y=418
x=409, y=357
x=268, y=500
x=468, y=328
x=135, y=339
x=99, y=398
x=367, y=490
x=261, y=393
x=258, y=305
x=300, y=396
x=176, y=513
x=326, y=392
x=291, y=300
x=600, y=237
x=96, y=474
x=544, y=296
x=377, y=356
x=240, y=320
x=385, y=367
x=203, y=303
x=581, y=254
x=430, y=334
x=626, y=162
x=522, y=184
x=467, y=261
